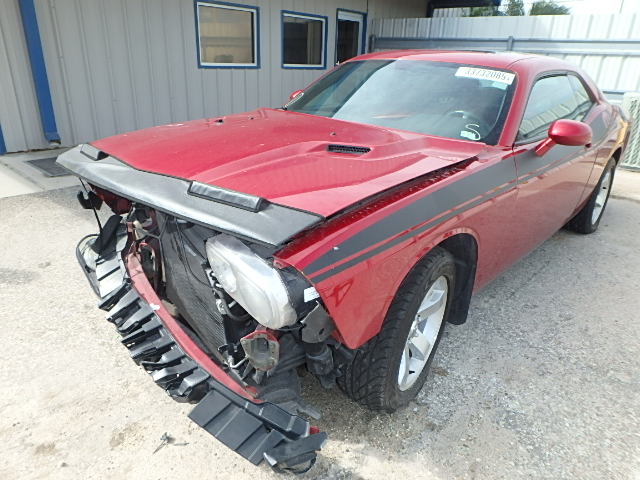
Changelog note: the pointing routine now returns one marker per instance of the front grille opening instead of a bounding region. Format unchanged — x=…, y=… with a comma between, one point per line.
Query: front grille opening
x=351, y=149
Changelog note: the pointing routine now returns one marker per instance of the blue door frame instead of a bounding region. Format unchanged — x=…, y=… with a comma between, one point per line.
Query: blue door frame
x=38, y=71
x=3, y=147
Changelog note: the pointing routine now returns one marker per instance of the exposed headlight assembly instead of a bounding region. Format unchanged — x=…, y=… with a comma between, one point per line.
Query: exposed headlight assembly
x=250, y=281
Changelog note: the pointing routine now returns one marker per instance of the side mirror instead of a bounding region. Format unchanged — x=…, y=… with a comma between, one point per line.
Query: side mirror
x=295, y=94
x=566, y=132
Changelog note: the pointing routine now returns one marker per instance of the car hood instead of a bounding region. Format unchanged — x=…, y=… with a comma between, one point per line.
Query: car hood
x=286, y=158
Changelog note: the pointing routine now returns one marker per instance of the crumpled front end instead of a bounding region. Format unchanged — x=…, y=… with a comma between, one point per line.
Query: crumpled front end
x=204, y=309
x=233, y=414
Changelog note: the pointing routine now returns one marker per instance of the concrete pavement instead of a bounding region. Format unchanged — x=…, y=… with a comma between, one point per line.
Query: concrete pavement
x=542, y=382
x=18, y=177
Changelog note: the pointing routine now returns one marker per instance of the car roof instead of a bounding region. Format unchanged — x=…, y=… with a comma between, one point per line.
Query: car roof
x=504, y=60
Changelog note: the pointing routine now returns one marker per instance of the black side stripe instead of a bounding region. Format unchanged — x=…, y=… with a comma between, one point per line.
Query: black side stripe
x=429, y=206
x=408, y=235
x=439, y=202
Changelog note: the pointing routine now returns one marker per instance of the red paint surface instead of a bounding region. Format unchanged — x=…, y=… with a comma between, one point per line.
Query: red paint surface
x=359, y=297
x=570, y=132
x=505, y=227
x=282, y=156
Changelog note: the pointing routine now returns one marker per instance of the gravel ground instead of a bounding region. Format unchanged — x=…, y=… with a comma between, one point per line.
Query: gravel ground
x=543, y=381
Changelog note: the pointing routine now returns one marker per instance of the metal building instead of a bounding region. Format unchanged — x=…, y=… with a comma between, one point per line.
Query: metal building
x=75, y=70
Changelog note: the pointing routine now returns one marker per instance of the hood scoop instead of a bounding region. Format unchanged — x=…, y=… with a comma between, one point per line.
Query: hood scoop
x=350, y=149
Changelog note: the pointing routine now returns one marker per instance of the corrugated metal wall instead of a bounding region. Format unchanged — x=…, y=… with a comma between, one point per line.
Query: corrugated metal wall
x=611, y=71
x=395, y=8
x=19, y=115
x=121, y=65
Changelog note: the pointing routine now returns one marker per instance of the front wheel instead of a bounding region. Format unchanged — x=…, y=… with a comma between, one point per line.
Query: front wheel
x=388, y=371
x=588, y=219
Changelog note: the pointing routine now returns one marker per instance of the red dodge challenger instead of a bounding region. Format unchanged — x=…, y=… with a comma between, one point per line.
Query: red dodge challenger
x=339, y=233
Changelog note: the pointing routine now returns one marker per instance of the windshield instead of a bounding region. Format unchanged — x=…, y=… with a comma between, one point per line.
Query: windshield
x=444, y=99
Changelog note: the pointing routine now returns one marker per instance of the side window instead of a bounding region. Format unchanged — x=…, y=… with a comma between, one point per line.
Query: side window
x=583, y=99
x=551, y=99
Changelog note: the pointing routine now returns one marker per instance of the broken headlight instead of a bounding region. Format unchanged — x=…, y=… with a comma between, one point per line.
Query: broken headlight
x=250, y=281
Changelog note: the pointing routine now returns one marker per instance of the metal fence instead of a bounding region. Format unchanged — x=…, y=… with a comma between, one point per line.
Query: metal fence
x=631, y=158
x=555, y=47
x=607, y=47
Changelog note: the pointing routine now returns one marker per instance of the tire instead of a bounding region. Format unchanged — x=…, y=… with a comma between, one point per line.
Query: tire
x=587, y=220
x=372, y=378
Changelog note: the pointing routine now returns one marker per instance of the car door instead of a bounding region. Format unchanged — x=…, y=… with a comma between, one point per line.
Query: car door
x=550, y=186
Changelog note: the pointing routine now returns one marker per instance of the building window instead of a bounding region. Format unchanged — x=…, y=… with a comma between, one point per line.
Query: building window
x=304, y=38
x=227, y=35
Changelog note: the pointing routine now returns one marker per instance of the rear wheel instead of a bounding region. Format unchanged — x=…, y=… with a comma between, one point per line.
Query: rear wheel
x=388, y=371
x=588, y=219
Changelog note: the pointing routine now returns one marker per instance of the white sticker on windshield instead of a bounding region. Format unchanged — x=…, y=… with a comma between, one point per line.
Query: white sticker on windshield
x=486, y=74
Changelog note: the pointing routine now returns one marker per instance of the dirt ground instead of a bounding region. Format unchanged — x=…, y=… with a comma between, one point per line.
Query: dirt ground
x=543, y=381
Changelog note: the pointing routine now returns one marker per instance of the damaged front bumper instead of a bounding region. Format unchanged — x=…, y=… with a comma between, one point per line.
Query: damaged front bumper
x=253, y=428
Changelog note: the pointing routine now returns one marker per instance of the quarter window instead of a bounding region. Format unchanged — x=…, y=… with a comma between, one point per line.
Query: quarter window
x=227, y=35
x=303, y=40
x=582, y=97
x=553, y=98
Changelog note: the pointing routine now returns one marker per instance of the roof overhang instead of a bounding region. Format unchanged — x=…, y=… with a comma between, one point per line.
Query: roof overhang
x=463, y=3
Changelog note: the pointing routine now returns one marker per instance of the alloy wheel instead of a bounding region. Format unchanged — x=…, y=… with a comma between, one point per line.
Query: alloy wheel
x=423, y=333
x=601, y=198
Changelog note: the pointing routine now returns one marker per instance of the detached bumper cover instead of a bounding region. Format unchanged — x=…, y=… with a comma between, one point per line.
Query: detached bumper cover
x=256, y=430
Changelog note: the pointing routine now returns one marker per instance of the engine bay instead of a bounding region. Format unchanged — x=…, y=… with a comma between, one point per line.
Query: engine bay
x=174, y=256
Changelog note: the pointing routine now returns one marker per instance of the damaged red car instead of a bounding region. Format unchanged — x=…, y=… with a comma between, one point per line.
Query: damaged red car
x=338, y=234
